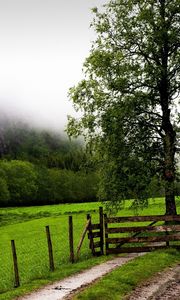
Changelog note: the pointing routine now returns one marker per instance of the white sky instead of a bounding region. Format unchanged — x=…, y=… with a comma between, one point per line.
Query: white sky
x=43, y=44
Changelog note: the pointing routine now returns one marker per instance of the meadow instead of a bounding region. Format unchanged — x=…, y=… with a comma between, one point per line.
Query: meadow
x=26, y=226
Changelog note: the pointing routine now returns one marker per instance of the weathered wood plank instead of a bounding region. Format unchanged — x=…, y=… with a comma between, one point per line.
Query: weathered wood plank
x=15, y=264
x=101, y=221
x=106, y=234
x=149, y=239
x=163, y=228
x=91, y=244
x=138, y=249
x=143, y=219
x=94, y=234
x=136, y=234
x=82, y=237
x=71, y=239
x=50, y=249
x=95, y=226
x=98, y=253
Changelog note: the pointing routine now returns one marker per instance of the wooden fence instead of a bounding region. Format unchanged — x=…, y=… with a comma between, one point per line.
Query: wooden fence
x=96, y=231
x=162, y=232
x=106, y=236
x=133, y=234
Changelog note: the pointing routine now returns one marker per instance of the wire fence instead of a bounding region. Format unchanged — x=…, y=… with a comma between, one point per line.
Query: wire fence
x=32, y=250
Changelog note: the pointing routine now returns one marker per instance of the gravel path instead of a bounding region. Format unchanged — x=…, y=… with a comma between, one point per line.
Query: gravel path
x=164, y=286
x=60, y=290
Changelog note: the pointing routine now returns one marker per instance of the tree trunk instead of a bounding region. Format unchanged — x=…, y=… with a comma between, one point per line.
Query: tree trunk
x=169, y=171
x=170, y=201
x=169, y=133
x=169, y=159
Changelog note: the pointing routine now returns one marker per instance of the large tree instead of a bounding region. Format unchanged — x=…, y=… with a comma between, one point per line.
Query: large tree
x=129, y=97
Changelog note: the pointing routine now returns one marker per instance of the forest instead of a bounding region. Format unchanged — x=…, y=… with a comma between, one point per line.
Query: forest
x=39, y=167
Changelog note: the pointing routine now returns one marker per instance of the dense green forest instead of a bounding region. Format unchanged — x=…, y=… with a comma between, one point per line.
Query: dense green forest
x=42, y=167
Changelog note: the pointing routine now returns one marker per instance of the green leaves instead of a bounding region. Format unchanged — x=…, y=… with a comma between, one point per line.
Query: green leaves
x=131, y=80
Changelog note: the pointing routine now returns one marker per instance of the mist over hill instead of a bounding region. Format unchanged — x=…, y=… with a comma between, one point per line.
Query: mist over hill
x=22, y=141
x=12, y=113
x=42, y=166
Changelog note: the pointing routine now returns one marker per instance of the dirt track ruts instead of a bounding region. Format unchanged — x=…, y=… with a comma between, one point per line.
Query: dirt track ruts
x=163, y=286
x=66, y=287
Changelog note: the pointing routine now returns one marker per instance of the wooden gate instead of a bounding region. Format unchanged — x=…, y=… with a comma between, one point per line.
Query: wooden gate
x=96, y=235
x=135, y=235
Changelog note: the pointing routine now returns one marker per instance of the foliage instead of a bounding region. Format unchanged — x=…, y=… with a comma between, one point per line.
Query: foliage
x=4, y=192
x=18, y=141
x=21, y=180
x=67, y=186
x=128, y=97
x=23, y=183
x=41, y=167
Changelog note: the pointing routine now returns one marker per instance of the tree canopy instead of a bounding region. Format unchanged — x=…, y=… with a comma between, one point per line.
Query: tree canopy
x=129, y=98
x=42, y=167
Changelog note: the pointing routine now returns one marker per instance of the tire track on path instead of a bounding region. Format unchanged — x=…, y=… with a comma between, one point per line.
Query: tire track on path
x=164, y=286
x=63, y=288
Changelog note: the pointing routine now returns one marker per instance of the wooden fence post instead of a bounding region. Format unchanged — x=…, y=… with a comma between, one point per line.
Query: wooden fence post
x=101, y=221
x=15, y=263
x=50, y=250
x=91, y=242
x=82, y=237
x=71, y=241
x=106, y=234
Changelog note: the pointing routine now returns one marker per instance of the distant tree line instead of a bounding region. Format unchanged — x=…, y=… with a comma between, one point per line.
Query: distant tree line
x=41, y=167
x=18, y=141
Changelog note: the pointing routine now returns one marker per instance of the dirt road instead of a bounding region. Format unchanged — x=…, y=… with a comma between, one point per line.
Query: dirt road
x=60, y=290
x=164, y=286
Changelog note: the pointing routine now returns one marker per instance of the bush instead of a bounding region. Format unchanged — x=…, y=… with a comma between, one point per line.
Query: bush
x=67, y=186
x=21, y=180
x=4, y=192
x=21, y=183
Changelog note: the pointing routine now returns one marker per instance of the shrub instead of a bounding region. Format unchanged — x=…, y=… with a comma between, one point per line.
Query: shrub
x=22, y=181
x=4, y=192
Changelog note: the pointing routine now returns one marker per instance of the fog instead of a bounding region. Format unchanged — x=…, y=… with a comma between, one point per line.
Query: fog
x=43, y=46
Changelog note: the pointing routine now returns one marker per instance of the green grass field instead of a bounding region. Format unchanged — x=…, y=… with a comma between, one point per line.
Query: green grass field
x=121, y=282
x=27, y=227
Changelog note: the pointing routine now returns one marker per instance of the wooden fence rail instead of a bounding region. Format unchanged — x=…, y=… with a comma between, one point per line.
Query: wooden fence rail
x=118, y=235
x=141, y=238
x=96, y=231
x=82, y=237
x=166, y=218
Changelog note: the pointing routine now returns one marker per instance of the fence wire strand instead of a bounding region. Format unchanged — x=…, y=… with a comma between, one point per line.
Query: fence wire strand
x=32, y=248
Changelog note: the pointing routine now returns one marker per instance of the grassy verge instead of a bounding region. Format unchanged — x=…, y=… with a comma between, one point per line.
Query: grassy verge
x=48, y=277
x=122, y=281
x=26, y=226
x=32, y=251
